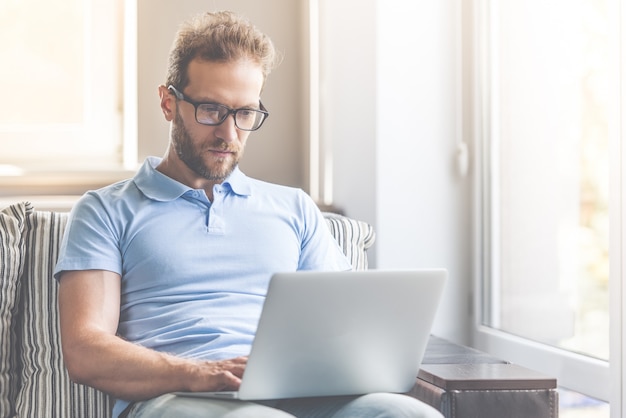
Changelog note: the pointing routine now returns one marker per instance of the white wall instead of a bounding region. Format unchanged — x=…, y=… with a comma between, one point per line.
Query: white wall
x=349, y=102
x=393, y=74
x=423, y=205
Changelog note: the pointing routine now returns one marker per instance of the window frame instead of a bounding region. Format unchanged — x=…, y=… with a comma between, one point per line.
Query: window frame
x=593, y=377
x=98, y=142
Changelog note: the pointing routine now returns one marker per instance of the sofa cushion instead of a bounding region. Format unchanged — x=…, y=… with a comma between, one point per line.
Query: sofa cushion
x=12, y=221
x=46, y=389
x=354, y=237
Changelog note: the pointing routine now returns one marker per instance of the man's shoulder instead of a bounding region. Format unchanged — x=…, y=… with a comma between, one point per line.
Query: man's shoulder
x=275, y=192
x=111, y=191
x=104, y=198
x=274, y=187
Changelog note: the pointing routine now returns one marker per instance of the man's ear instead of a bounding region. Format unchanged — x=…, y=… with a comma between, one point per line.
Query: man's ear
x=168, y=103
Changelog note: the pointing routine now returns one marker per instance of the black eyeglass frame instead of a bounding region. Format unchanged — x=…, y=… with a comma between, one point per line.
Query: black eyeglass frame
x=230, y=111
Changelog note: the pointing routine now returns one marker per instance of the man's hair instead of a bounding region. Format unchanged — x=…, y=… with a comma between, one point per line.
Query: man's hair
x=221, y=37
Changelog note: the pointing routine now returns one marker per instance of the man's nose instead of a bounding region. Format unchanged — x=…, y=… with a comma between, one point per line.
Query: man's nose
x=227, y=130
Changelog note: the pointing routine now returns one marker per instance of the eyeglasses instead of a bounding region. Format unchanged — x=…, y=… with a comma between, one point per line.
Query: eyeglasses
x=214, y=114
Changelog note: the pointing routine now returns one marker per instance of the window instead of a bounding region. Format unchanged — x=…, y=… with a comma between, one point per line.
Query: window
x=547, y=116
x=62, y=85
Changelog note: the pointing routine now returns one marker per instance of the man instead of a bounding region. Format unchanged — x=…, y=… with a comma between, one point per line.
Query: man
x=163, y=276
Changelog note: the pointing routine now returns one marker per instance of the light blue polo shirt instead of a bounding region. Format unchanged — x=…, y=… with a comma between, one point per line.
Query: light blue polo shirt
x=194, y=272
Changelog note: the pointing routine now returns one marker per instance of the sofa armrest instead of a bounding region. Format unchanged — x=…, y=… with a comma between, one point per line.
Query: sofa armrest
x=353, y=236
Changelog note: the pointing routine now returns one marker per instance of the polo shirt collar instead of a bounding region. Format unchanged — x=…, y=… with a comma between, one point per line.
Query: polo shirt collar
x=157, y=186
x=239, y=183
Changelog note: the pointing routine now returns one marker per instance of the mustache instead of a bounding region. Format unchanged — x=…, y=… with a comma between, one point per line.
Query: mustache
x=223, y=146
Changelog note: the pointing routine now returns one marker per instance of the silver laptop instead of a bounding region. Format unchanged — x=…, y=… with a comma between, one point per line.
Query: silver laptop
x=340, y=333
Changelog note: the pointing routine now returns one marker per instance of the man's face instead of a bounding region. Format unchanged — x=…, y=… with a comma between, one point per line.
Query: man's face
x=212, y=152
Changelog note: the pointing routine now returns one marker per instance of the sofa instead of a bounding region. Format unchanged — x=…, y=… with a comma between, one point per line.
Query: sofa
x=33, y=380
x=459, y=381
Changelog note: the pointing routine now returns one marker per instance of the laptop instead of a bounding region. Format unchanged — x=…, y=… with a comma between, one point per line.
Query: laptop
x=340, y=333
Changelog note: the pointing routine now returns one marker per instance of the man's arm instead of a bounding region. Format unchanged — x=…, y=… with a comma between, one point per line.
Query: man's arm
x=89, y=307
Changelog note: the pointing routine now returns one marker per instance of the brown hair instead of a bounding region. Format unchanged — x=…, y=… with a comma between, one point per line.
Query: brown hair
x=219, y=36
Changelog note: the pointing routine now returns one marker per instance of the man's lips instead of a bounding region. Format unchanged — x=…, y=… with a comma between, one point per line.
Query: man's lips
x=221, y=153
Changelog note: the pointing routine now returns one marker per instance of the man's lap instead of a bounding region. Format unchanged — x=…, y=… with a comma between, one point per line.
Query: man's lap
x=169, y=405
x=379, y=405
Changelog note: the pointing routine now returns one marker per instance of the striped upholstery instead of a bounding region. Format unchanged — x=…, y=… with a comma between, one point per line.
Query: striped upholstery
x=29, y=330
x=12, y=221
x=46, y=390
x=354, y=238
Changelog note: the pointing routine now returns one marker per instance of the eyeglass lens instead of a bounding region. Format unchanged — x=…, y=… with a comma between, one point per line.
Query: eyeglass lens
x=214, y=114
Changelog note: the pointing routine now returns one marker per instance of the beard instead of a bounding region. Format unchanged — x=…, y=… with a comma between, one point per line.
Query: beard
x=190, y=154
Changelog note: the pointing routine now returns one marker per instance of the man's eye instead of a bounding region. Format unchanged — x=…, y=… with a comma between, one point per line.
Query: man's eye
x=211, y=111
x=246, y=113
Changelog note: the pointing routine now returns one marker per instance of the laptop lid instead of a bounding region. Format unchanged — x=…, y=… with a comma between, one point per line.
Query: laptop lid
x=342, y=333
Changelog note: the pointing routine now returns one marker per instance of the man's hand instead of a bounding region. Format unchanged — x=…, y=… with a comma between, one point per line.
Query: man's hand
x=218, y=375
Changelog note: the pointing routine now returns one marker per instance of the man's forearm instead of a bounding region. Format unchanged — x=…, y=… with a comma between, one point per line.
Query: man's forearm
x=132, y=372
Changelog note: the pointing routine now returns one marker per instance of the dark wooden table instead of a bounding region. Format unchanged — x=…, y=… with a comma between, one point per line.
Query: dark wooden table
x=463, y=382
